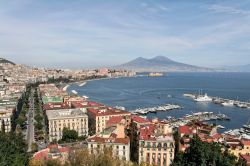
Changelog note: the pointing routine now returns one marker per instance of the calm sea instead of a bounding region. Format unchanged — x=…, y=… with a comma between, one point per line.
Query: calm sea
x=140, y=92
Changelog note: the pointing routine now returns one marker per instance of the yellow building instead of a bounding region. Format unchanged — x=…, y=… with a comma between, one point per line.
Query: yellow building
x=73, y=119
x=155, y=148
x=240, y=147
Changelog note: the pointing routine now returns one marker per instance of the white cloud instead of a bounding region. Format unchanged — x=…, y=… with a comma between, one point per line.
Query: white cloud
x=227, y=9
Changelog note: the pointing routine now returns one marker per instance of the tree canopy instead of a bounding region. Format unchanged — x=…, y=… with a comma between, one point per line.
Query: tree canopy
x=69, y=135
x=13, y=150
x=202, y=154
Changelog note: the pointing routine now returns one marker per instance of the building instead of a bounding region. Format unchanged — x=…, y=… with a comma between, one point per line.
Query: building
x=139, y=121
x=238, y=147
x=245, y=158
x=5, y=118
x=155, y=148
x=73, y=119
x=206, y=132
x=98, y=117
x=52, y=152
x=112, y=137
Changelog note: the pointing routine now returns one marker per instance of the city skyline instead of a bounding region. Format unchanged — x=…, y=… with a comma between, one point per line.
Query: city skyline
x=94, y=34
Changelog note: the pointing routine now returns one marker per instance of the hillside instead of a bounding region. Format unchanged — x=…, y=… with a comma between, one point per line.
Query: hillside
x=2, y=60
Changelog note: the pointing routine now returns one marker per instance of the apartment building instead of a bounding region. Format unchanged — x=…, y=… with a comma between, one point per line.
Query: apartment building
x=98, y=117
x=73, y=119
x=112, y=137
x=5, y=118
x=155, y=148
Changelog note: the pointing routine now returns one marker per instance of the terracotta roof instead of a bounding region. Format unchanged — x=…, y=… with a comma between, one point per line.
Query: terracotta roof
x=146, y=132
x=138, y=119
x=246, y=157
x=186, y=130
x=43, y=154
x=107, y=111
x=245, y=142
x=114, y=120
x=86, y=104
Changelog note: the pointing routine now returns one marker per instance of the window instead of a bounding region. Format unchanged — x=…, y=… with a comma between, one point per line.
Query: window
x=165, y=146
x=124, y=147
x=148, y=145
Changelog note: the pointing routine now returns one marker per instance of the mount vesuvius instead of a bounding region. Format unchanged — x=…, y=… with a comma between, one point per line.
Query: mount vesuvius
x=160, y=64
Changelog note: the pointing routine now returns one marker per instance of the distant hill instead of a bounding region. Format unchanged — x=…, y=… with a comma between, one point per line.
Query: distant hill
x=160, y=64
x=2, y=60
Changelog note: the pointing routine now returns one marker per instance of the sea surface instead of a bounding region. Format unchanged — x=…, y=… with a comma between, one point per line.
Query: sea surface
x=144, y=91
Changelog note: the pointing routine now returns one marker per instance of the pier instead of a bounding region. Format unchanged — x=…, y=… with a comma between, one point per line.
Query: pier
x=221, y=101
x=167, y=107
x=198, y=116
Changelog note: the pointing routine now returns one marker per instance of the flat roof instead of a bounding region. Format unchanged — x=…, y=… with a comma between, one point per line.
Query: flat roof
x=65, y=114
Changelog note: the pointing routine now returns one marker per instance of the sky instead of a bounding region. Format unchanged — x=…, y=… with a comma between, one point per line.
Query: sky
x=98, y=33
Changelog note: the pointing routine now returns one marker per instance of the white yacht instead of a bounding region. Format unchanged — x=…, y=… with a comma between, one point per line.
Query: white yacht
x=228, y=103
x=203, y=98
x=73, y=91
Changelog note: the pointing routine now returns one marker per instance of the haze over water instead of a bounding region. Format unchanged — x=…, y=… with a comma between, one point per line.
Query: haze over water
x=140, y=92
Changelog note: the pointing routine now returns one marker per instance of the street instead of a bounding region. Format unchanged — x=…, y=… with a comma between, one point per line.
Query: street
x=30, y=129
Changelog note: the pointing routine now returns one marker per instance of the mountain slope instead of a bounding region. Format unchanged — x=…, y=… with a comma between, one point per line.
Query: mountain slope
x=2, y=60
x=159, y=64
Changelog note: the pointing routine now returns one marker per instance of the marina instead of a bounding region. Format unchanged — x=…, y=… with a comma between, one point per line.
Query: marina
x=218, y=100
x=167, y=107
x=197, y=116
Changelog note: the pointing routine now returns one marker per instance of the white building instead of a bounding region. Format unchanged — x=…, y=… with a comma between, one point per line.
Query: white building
x=73, y=119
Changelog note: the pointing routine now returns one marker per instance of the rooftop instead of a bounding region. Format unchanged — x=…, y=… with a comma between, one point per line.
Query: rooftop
x=65, y=113
x=150, y=133
x=107, y=111
x=53, y=106
x=86, y=104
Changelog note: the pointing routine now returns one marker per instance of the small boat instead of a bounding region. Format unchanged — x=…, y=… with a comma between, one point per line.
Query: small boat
x=220, y=127
x=247, y=126
x=73, y=91
x=82, y=84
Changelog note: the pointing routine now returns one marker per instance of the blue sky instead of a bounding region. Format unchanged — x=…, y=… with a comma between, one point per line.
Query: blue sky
x=94, y=33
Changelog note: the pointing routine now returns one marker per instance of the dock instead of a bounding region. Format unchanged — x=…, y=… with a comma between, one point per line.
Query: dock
x=222, y=101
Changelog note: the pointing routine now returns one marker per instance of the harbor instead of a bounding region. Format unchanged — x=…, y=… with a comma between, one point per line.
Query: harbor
x=167, y=107
x=218, y=100
x=197, y=116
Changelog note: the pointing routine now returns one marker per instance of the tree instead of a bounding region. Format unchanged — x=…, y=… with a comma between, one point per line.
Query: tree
x=69, y=135
x=134, y=142
x=3, y=126
x=34, y=147
x=202, y=154
x=13, y=150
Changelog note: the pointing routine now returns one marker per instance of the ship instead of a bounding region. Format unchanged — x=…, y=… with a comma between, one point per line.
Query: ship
x=228, y=103
x=155, y=74
x=203, y=98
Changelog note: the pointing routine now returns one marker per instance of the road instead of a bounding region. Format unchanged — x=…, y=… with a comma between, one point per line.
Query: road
x=30, y=128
